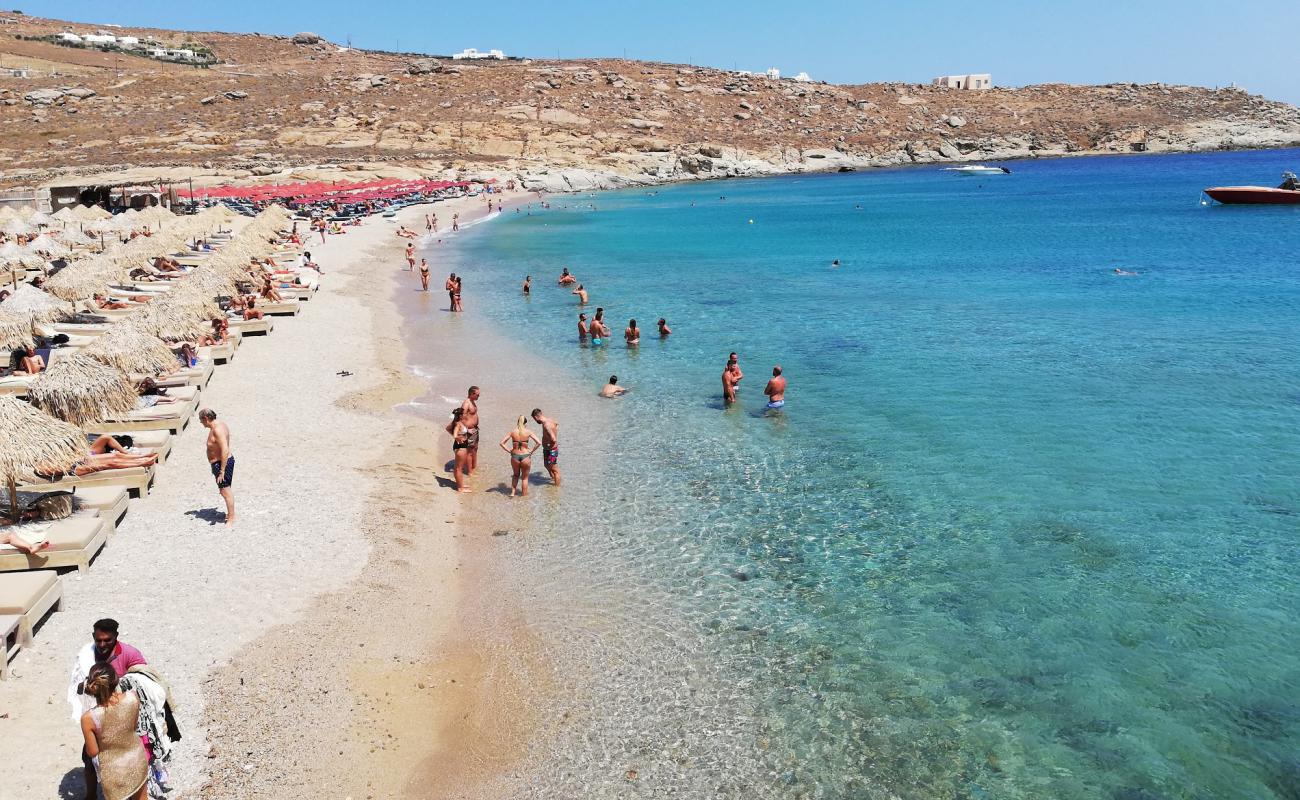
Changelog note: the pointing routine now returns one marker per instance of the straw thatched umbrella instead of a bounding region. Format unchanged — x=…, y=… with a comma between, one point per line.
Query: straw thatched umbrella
x=82, y=390
x=132, y=349
x=15, y=331
x=173, y=323
x=40, y=306
x=34, y=440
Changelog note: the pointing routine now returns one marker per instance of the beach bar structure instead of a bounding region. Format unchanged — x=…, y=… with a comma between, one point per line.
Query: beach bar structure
x=976, y=81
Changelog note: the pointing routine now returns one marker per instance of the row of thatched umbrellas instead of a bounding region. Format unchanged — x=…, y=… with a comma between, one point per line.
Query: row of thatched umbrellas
x=95, y=383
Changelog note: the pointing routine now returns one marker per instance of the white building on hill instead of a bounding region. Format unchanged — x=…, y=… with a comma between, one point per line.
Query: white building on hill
x=470, y=52
x=773, y=73
x=977, y=81
x=70, y=38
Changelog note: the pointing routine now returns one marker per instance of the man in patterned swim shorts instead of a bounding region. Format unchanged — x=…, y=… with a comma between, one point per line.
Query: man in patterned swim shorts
x=550, y=444
x=219, y=456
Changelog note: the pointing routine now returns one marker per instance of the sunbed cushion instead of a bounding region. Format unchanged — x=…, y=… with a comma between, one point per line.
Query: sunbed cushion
x=19, y=591
x=73, y=533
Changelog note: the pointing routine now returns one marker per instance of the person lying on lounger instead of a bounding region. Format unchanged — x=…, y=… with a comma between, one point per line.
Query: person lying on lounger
x=20, y=544
x=25, y=361
x=220, y=333
x=151, y=395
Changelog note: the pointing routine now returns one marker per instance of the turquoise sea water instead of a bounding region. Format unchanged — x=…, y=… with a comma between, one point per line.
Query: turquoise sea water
x=1025, y=528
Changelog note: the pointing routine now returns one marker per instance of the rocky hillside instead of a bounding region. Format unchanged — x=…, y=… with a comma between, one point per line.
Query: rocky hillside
x=285, y=107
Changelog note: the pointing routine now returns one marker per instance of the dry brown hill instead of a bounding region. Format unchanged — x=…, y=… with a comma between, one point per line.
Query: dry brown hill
x=278, y=108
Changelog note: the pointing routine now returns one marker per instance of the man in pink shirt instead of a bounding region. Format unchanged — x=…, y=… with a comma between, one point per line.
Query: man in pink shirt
x=104, y=647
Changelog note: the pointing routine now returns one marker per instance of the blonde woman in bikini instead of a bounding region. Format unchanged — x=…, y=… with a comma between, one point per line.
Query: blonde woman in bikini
x=520, y=443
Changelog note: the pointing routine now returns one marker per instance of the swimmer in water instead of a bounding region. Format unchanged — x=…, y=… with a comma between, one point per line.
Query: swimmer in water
x=775, y=389
x=664, y=330
x=835, y=263
x=566, y=279
x=612, y=389
x=582, y=327
x=632, y=334
x=528, y=284
x=1119, y=271
x=581, y=293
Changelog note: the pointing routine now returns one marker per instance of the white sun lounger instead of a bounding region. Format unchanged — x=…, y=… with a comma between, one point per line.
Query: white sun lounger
x=172, y=417
x=252, y=327
x=29, y=596
x=73, y=543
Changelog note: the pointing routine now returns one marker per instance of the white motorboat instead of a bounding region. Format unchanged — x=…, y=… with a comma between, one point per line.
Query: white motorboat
x=978, y=169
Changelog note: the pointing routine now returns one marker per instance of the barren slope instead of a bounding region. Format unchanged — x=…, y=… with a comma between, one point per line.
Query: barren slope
x=562, y=124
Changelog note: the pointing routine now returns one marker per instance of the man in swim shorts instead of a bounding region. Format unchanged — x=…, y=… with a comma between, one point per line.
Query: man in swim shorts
x=550, y=444
x=220, y=458
x=775, y=389
x=469, y=418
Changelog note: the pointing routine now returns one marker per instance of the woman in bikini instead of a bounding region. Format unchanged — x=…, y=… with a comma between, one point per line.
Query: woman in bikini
x=455, y=297
x=632, y=334
x=519, y=443
x=459, y=449
x=424, y=273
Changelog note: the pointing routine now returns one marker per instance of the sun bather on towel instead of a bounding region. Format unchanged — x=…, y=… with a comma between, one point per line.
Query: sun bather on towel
x=151, y=395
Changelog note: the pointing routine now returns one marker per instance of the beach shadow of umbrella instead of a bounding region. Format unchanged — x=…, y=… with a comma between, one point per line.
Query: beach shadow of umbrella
x=73, y=785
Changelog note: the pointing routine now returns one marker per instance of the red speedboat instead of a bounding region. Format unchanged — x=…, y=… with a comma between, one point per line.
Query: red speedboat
x=1286, y=194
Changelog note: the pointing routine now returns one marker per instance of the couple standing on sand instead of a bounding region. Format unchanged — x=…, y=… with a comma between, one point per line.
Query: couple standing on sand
x=518, y=443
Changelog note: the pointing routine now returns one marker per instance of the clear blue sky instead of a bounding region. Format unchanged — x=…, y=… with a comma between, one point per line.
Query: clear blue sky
x=1251, y=42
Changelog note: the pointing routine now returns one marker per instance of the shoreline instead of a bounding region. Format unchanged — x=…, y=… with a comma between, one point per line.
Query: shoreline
x=409, y=689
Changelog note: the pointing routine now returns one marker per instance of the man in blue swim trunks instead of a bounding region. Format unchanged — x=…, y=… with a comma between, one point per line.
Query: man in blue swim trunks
x=550, y=444
x=220, y=458
x=775, y=389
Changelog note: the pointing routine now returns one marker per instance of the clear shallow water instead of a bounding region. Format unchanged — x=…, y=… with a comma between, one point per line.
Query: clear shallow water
x=1025, y=529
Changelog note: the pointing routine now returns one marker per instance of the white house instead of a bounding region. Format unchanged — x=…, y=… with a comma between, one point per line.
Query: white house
x=470, y=52
x=128, y=41
x=70, y=38
x=802, y=77
x=99, y=38
x=975, y=81
x=773, y=73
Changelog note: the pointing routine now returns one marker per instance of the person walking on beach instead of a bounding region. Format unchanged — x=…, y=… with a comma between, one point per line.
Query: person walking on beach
x=519, y=444
x=550, y=444
x=455, y=222
x=459, y=449
x=424, y=274
x=410, y=256
x=582, y=327
x=775, y=389
x=103, y=648
x=469, y=418
x=582, y=295
x=220, y=458
x=632, y=334
x=110, y=740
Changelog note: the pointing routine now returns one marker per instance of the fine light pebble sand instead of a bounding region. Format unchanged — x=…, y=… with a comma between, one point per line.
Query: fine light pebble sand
x=188, y=592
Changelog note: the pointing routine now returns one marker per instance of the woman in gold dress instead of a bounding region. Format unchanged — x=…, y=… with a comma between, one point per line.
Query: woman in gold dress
x=111, y=740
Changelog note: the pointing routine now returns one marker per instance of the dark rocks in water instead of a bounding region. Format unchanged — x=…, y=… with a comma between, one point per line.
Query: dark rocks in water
x=745, y=573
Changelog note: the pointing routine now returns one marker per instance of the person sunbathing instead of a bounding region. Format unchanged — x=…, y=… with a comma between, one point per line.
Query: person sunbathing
x=269, y=293
x=17, y=542
x=220, y=333
x=250, y=310
x=151, y=395
x=112, y=303
x=25, y=361
x=165, y=264
x=105, y=443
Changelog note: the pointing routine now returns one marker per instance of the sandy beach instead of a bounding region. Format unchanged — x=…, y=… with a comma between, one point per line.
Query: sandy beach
x=331, y=482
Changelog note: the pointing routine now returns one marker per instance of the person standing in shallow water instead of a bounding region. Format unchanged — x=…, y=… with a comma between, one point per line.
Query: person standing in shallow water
x=519, y=444
x=550, y=444
x=424, y=274
x=632, y=334
x=528, y=284
x=775, y=389
x=450, y=286
x=410, y=256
